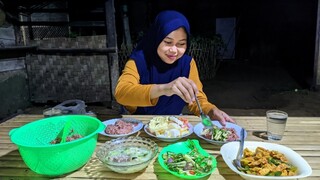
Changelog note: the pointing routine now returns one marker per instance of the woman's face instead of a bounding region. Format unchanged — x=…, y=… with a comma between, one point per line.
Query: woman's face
x=173, y=46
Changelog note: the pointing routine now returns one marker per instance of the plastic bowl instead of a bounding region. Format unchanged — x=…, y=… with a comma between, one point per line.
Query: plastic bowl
x=33, y=141
x=183, y=148
x=115, y=148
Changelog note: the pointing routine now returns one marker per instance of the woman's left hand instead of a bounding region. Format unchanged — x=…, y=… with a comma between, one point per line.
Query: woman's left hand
x=220, y=115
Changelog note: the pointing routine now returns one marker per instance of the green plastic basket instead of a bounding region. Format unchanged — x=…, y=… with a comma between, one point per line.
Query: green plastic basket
x=33, y=141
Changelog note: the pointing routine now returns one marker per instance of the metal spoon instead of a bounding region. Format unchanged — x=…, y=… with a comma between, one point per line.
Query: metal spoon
x=237, y=162
x=206, y=121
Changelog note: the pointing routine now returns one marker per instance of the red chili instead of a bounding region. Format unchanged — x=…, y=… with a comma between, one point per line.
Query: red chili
x=192, y=172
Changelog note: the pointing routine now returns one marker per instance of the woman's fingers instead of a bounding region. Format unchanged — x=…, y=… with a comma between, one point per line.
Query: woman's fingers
x=176, y=90
x=222, y=116
x=185, y=88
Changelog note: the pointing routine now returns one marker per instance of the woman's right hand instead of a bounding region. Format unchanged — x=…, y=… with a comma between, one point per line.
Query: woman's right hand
x=182, y=86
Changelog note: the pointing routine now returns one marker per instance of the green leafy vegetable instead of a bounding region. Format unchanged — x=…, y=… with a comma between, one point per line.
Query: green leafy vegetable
x=191, y=163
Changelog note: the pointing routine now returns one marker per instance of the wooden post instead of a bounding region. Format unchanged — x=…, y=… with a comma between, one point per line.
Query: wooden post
x=112, y=43
x=126, y=27
x=316, y=72
x=31, y=37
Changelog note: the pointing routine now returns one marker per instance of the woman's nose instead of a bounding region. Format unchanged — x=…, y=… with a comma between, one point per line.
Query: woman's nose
x=173, y=49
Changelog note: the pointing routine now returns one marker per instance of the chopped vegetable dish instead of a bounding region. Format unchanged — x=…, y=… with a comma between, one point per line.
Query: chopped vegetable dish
x=191, y=163
x=220, y=134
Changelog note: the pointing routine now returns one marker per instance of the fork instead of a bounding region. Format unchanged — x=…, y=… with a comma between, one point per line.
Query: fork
x=237, y=162
x=206, y=121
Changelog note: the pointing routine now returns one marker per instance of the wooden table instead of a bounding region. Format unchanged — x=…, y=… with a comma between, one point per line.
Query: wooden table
x=302, y=135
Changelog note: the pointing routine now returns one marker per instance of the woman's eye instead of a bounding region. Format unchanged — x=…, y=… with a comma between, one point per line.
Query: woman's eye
x=181, y=44
x=168, y=42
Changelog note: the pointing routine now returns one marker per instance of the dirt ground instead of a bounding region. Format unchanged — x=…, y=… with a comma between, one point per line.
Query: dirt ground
x=244, y=89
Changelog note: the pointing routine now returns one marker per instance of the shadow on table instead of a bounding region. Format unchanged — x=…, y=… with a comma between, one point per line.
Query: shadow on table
x=14, y=167
x=97, y=170
x=260, y=134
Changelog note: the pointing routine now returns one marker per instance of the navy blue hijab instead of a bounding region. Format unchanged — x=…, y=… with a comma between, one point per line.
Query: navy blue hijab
x=153, y=70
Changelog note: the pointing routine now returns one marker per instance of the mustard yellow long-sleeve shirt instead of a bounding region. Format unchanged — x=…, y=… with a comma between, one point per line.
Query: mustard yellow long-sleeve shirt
x=131, y=94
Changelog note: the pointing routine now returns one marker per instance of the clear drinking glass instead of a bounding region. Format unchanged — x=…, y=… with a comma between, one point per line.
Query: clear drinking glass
x=276, y=124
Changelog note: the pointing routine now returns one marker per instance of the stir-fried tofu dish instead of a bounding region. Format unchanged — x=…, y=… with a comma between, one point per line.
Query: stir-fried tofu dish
x=267, y=163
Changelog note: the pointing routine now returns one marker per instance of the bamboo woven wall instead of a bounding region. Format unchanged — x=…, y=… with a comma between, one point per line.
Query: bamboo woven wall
x=62, y=77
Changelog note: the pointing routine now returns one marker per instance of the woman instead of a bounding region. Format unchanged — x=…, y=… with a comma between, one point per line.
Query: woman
x=160, y=78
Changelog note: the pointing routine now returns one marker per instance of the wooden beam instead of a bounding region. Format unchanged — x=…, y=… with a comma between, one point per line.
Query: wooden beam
x=110, y=23
x=316, y=66
x=62, y=23
x=21, y=51
x=30, y=10
x=15, y=51
x=111, y=40
x=11, y=64
x=77, y=51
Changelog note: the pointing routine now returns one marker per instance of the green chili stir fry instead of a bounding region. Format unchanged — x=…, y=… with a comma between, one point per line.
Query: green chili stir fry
x=191, y=163
x=266, y=162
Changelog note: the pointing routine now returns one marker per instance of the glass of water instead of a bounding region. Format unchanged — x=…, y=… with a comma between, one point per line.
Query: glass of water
x=276, y=124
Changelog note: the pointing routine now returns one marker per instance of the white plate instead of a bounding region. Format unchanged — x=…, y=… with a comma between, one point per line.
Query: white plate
x=113, y=121
x=199, y=128
x=146, y=127
x=229, y=152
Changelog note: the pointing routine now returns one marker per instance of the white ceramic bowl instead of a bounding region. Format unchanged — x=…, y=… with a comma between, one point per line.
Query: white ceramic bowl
x=137, y=128
x=199, y=128
x=146, y=127
x=229, y=152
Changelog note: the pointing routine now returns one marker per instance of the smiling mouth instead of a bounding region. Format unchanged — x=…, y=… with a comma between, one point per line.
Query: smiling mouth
x=171, y=57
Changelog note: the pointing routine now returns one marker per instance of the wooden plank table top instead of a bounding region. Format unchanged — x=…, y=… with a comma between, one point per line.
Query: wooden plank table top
x=302, y=135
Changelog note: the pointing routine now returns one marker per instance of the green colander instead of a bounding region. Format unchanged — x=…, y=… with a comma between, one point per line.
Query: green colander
x=33, y=141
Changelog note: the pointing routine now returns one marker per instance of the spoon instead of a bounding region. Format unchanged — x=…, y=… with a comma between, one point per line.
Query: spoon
x=65, y=133
x=237, y=162
x=206, y=121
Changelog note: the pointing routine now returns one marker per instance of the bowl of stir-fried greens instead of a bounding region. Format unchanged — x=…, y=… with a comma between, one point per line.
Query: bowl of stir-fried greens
x=187, y=160
x=219, y=134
